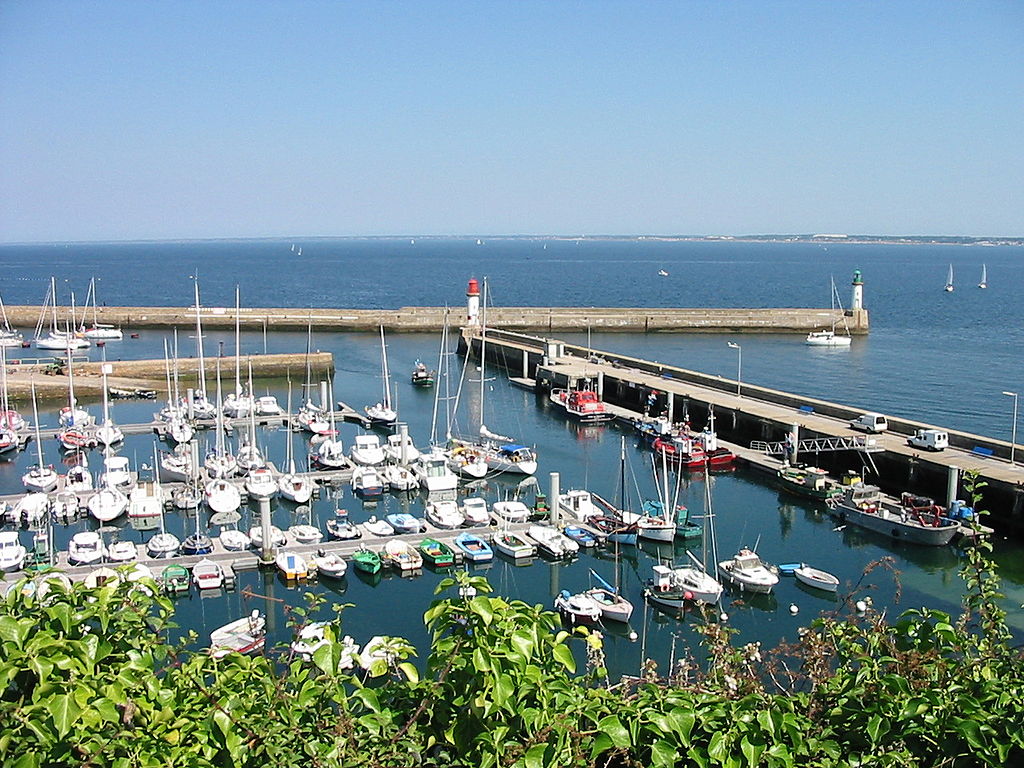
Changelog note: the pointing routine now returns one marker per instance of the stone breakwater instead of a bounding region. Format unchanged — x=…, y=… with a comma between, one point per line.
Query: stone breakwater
x=529, y=319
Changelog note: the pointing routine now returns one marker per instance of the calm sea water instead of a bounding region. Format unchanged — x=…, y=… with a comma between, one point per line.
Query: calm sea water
x=939, y=357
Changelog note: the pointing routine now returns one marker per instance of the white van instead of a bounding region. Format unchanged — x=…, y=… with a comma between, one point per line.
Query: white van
x=929, y=439
x=870, y=422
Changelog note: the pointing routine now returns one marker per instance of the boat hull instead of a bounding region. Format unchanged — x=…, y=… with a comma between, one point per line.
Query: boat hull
x=892, y=525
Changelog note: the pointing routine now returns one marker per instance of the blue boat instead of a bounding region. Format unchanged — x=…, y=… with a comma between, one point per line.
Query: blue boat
x=403, y=522
x=473, y=548
x=580, y=535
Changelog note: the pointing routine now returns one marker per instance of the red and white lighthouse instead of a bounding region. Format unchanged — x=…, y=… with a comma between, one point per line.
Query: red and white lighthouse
x=473, y=302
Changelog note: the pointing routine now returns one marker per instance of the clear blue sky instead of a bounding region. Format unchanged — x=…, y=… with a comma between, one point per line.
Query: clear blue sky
x=138, y=120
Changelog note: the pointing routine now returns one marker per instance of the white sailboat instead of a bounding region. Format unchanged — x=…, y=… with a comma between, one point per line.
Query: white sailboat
x=161, y=544
x=383, y=412
x=311, y=416
x=829, y=338
x=219, y=462
x=40, y=478
x=949, y=281
x=238, y=404
x=498, y=451
x=97, y=330
x=202, y=408
x=292, y=485
x=8, y=336
x=108, y=433
x=982, y=284
x=56, y=338
x=249, y=456
x=330, y=454
x=11, y=422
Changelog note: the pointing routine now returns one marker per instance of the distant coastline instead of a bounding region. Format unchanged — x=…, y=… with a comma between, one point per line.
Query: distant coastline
x=821, y=239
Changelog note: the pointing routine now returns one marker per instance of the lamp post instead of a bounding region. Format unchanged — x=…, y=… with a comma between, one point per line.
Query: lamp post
x=739, y=367
x=1013, y=436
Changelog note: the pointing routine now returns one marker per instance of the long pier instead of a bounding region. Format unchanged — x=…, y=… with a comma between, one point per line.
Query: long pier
x=430, y=319
x=759, y=414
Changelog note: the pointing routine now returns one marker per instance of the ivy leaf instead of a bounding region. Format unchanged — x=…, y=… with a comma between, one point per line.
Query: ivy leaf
x=535, y=756
x=64, y=710
x=663, y=753
x=616, y=731
x=564, y=654
x=682, y=723
x=409, y=670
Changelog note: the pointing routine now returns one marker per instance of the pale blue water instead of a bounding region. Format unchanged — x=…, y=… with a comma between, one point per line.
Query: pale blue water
x=940, y=357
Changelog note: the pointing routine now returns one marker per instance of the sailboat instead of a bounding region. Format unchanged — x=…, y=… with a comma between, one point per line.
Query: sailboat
x=202, y=408
x=608, y=598
x=500, y=453
x=179, y=430
x=292, y=486
x=311, y=417
x=982, y=284
x=108, y=433
x=8, y=336
x=219, y=463
x=97, y=330
x=460, y=459
x=949, y=281
x=57, y=339
x=829, y=338
x=250, y=457
x=383, y=413
x=330, y=454
x=673, y=587
x=11, y=422
x=41, y=478
x=161, y=544
x=238, y=404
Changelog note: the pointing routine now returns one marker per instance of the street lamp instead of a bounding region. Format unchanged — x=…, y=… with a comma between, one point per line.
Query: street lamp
x=739, y=366
x=1013, y=437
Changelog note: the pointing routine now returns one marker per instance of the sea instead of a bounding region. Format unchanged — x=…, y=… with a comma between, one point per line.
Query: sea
x=941, y=358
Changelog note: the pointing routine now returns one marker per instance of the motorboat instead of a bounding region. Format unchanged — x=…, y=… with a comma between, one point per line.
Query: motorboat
x=86, y=548
x=329, y=564
x=117, y=473
x=811, y=482
x=401, y=555
x=245, y=635
x=581, y=504
x=292, y=565
x=551, y=541
x=30, y=509
x=474, y=509
x=577, y=609
x=403, y=522
x=444, y=513
x=310, y=639
x=914, y=519
x=674, y=587
x=260, y=483
x=122, y=551
x=175, y=579
x=367, y=451
x=814, y=577
x=474, y=549
x=108, y=503
x=377, y=527
x=511, y=510
x=234, y=540
x=207, y=574
x=12, y=551
x=40, y=479
x=65, y=506
x=399, y=449
x=421, y=375
x=277, y=537
x=366, y=560
x=341, y=527
x=304, y=533
x=433, y=473
x=513, y=545
x=399, y=478
x=267, y=405
x=746, y=572
x=145, y=500
x=367, y=483
x=584, y=537
x=582, y=405
x=78, y=478
x=176, y=466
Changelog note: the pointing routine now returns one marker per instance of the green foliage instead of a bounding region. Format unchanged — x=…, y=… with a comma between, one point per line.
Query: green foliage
x=90, y=679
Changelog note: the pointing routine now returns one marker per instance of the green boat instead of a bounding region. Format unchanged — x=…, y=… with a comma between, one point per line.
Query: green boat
x=175, y=579
x=807, y=481
x=436, y=553
x=422, y=376
x=366, y=560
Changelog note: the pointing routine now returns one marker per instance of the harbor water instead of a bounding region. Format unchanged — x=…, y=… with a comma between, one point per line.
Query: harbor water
x=923, y=359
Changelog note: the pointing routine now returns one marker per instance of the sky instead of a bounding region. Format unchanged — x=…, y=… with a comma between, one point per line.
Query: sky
x=175, y=120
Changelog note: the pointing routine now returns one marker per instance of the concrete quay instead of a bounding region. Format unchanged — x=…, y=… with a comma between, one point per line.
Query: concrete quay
x=150, y=374
x=431, y=319
x=756, y=413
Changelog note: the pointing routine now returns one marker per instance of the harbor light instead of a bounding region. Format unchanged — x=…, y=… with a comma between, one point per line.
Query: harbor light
x=1013, y=431
x=739, y=366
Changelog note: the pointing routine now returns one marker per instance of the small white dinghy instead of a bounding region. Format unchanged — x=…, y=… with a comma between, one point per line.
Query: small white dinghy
x=816, y=578
x=243, y=635
x=578, y=609
x=329, y=564
x=292, y=565
x=206, y=574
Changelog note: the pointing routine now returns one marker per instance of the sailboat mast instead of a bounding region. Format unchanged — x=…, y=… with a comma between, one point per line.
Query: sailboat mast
x=483, y=357
x=53, y=306
x=92, y=290
x=199, y=344
x=384, y=370
x=167, y=375
x=442, y=371
x=238, y=351
x=35, y=420
x=288, y=447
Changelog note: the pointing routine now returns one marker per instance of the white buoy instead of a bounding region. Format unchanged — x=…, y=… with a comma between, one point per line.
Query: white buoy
x=632, y=635
x=861, y=606
x=723, y=616
x=793, y=609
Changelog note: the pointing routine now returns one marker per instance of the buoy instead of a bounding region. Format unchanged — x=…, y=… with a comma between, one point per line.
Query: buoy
x=723, y=616
x=861, y=606
x=135, y=335
x=632, y=635
x=793, y=609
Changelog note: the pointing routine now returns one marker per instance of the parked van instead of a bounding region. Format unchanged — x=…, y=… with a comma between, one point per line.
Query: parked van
x=929, y=439
x=870, y=422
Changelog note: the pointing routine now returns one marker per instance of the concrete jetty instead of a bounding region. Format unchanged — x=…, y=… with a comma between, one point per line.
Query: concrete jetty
x=149, y=374
x=431, y=319
x=749, y=414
